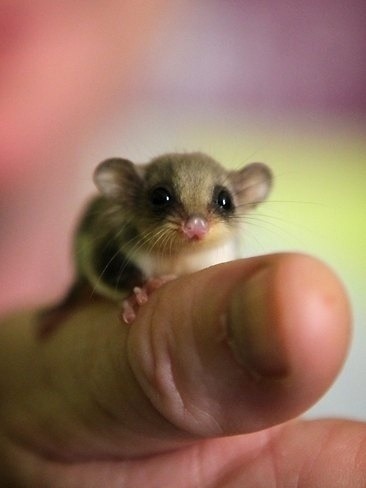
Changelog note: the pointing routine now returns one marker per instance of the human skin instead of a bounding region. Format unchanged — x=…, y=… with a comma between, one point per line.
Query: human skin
x=199, y=391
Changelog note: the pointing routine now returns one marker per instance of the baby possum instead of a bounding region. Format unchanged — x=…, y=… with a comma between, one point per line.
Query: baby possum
x=177, y=214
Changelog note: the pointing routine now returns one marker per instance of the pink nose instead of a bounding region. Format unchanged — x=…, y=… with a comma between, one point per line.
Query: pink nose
x=195, y=227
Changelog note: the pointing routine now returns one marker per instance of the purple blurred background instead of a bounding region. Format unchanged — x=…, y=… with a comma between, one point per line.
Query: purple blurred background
x=301, y=56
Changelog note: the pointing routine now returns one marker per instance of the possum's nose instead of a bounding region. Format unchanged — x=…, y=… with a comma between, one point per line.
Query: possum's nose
x=196, y=227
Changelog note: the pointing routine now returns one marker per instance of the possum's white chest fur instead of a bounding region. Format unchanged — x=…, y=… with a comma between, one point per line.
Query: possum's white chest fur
x=188, y=262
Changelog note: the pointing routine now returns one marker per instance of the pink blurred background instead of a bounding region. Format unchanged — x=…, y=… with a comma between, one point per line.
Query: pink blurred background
x=281, y=81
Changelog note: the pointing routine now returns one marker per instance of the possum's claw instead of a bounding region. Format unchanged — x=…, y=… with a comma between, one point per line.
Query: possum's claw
x=141, y=294
x=128, y=312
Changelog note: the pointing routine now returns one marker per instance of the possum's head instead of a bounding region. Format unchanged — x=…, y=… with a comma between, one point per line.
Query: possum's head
x=180, y=201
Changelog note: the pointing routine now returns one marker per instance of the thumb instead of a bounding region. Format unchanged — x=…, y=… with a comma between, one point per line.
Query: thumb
x=232, y=349
x=241, y=346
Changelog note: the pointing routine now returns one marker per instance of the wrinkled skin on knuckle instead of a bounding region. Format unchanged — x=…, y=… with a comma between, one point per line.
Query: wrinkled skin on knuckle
x=164, y=358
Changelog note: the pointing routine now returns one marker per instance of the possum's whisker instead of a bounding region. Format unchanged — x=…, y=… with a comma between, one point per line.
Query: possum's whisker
x=114, y=237
x=142, y=241
x=270, y=227
x=260, y=222
x=171, y=243
x=145, y=240
x=295, y=202
x=168, y=244
x=97, y=238
x=124, y=263
x=158, y=240
x=103, y=272
x=267, y=218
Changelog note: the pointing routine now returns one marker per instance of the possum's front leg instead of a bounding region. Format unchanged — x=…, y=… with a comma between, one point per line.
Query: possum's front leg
x=140, y=295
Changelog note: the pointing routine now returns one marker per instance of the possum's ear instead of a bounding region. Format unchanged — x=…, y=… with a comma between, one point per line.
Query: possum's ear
x=117, y=178
x=251, y=183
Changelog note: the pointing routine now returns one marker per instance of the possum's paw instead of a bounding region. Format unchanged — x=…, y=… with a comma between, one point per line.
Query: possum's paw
x=140, y=295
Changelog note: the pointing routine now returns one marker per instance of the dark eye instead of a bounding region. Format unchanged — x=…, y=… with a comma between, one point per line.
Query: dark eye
x=223, y=200
x=161, y=197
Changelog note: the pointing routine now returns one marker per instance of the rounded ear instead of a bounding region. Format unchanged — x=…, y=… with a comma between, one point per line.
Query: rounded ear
x=116, y=178
x=252, y=183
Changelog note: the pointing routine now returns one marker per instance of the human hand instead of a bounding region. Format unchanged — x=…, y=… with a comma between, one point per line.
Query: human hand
x=192, y=394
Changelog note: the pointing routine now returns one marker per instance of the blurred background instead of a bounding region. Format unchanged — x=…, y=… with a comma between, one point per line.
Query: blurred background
x=280, y=82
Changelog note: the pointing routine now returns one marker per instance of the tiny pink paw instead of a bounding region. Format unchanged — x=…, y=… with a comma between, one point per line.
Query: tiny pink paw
x=140, y=295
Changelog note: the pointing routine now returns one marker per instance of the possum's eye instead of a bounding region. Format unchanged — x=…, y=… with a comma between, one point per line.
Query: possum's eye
x=223, y=200
x=161, y=197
